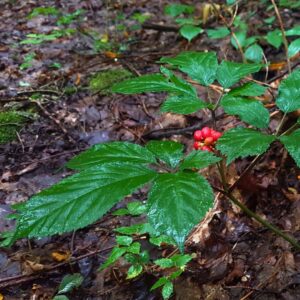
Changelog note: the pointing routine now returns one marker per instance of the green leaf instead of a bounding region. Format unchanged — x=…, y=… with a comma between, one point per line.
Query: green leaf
x=114, y=152
x=123, y=240
x=241, y=36
x=218, y=33
x=162, y=239
x=249, y=110
x=180, y=260
x=200, y=66
x=190, y=31
x=292, y=144
x=230, y=73
x=149, y=83
x=199, y=160
x=160, y=282
x=254, y=53
x=274, y=38
x=242, y=142
x=80, y=199
x=120, y=212
x=182, y=104
x=164, y=263
x=167, y=151
x=298, y=121
x=175, y=10
x=115, y=254
x=185, y=21
x=136, y=208
x=61, y=297
x=248, y=89
x=134, y=248
x=70, y=282
x=175, y=274
x=134, y=271
x=294, y=47
x=288, y=99
x=177, y=202
x=167, y=290
x=293, y=31
x=136, y=229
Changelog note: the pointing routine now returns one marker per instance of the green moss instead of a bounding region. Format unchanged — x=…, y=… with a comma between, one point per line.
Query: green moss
x=10, y=123
x=101, y=82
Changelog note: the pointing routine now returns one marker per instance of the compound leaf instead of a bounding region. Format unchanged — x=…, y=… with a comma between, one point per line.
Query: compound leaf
x=200, y=66
x=289, y=93
x=177, y=202
x=242, y=142
x=199, y=160
x=79, y=200
x=114, y=152
x=169, y=152
x=292, y=144
x=248, y=89
x=249, y=110
x=230, y=73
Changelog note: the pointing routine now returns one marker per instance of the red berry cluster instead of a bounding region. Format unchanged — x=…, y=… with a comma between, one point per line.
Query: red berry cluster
x=205, y=139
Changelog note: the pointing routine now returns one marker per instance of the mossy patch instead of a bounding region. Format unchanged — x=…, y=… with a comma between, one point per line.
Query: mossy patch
x=102, y=82
x=10, y=123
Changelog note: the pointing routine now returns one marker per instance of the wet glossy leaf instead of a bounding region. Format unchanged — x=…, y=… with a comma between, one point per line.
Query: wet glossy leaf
x=136, y=208
x=114, y=152
x=115, y=254
x=294, y=48
x=288, y=99
x=124, y=240
x=177, y=202
x=199, y=160
x=136, y=229
x=242, y=142
x=134, y=271
x=167, y=151
x=167, y=290
x=292, y=144
x=230, y=73
x=249, y=110
x=70, y=282
x=180, y=260
x=200, y=66
x=80, y=199
x=160, y=282
x=162, y=239
x=164, y=263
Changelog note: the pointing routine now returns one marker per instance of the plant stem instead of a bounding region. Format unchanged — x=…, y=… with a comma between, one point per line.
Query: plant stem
x=290, y=129
x=262, y=221
x=285, y=42
x=280, y=124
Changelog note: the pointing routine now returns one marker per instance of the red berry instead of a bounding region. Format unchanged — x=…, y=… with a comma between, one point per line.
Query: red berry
x=208, y=141
x=198, y=135
x=206, y=148
x=216, y=135
x=206, y=131
x=196, y=145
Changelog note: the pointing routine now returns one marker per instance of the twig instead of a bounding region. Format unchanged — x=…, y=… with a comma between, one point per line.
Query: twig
x=285, y=42
x=159, y=27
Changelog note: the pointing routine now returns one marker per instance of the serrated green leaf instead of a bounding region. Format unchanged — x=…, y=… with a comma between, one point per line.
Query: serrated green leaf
x=248, y=89
x=115, y=254
x=274, y=38
x=175, y=10
x=164, y=263
x=120, y=212
x=190, y=31
x=254, y=53
x=80, y=199
x=230, y=73
x=175, y=274
x=123, y=240
x=70, y=282
x=294, y=47
x=249, y=110
x=134, y=248
x=200, y=66
x=199, y=160
x=218, y=33
x=242, y=142
x=146, y=83
x=60, y=297
x=292, y=144
x=160, y=282
x=180, y=260
x=177, y=202
x=162, y=239
x=241, y=36
x=136, y=208
x=182, y=104
x=136, y=229
x=169, y=152
x=288, y=99
x=167, y=290
x=134, y=271
x=114, y=152
x=293, y=31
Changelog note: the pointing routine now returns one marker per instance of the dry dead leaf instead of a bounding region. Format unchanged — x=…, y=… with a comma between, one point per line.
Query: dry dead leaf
x=60, y=256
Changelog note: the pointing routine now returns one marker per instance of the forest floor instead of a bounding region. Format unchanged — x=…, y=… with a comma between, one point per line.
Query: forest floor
x=237, y=258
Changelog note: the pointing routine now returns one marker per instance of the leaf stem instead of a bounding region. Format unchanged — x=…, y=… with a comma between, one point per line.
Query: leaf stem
x=280, y=124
